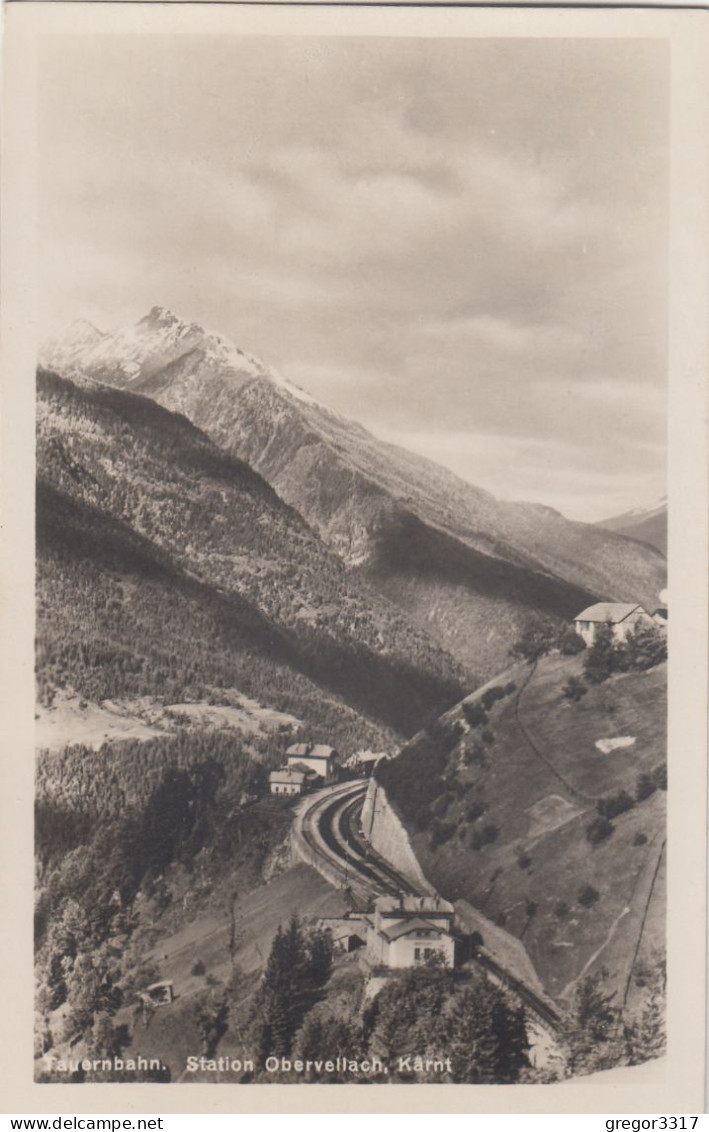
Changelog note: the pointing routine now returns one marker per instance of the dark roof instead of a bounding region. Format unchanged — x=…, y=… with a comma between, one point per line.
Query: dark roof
x=310, y=755
x=287, y=774
x=301, y=768
x=321, y=751
x=299, y=749
x=406, y=927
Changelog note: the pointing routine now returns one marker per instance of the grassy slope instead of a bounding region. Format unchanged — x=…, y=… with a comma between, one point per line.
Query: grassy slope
x=172, y=1034
x=651, y=529
x=561, y=860
x=477, y=602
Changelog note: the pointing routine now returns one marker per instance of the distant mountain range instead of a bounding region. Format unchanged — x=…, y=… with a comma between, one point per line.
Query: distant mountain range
x=649, y=524
x=462, y=566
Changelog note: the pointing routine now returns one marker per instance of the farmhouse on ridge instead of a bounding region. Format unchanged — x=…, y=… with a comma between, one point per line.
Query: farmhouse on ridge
x=623, y=617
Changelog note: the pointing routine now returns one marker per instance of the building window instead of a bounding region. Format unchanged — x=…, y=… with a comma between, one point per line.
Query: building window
x=417, y=955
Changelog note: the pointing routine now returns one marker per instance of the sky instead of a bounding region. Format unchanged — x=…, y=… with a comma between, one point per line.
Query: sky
x=460, y=243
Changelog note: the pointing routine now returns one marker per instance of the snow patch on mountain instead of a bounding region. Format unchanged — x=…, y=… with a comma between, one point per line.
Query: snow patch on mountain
x=63, y=350
x=642, y=511
x=132, y=354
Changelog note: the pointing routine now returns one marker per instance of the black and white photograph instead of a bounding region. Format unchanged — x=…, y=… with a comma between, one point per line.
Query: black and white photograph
x=351, y=592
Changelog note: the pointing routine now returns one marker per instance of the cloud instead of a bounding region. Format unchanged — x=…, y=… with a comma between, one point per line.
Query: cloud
x=542, y=471
x=443, y=238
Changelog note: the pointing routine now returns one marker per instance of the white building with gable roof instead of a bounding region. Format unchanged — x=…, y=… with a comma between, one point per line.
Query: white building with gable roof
x=408, y=931
x=314, y=756
x=623, y=617
x=287, y=780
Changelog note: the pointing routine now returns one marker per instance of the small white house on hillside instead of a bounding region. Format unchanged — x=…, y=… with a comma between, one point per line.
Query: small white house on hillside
x=623, y=616
x=409, y=930
x=286, y=780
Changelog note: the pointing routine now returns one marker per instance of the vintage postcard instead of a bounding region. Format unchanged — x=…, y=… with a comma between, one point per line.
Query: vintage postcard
x=354, y=408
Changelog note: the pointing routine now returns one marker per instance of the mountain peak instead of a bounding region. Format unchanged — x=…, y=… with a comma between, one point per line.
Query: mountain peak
x=649, y=524
x=159, y=316
x=62, y=350
x=82, y=329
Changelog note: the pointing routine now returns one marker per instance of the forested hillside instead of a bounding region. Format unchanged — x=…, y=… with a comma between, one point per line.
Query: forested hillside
x=464, y=566
x=169, y=573
x=167, y=565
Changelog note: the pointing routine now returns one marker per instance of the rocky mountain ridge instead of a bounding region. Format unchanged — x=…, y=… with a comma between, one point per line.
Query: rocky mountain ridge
x=124, y=480
x=463, y=565
x=648, y=524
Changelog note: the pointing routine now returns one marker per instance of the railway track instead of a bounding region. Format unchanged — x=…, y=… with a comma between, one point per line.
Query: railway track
x=328, y=829
x=330, y=826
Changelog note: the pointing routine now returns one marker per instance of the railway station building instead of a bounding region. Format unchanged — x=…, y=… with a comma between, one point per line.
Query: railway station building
x=408, y=931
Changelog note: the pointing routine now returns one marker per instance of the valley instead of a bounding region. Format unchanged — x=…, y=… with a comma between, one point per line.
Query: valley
x=228, y=572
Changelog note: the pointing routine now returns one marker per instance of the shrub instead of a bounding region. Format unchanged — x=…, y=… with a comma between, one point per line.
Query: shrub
x=574, y=688
x=510, y=688
x=561, y=910
x=475, y=715
x=588, y=895
x=600, y=829
x=475, y=756
x=198, y=968
x=476, y=810
x=524, y=860
x=442, y=832
x=492, y=695
x=454, y=787
x=640, y=839
x=659, y=776
x=440, y=804
x=645, y=787
x=539, y=636
x=484, y=836
x=570, y=642
x=614, y=804
x=601, y=660
x=445, y=733
x=645, y=647
x=488, y=737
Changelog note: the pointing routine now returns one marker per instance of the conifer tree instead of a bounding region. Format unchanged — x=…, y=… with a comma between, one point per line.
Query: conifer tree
x=594, y=1038
x=601, y=660
x=472, y=1043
